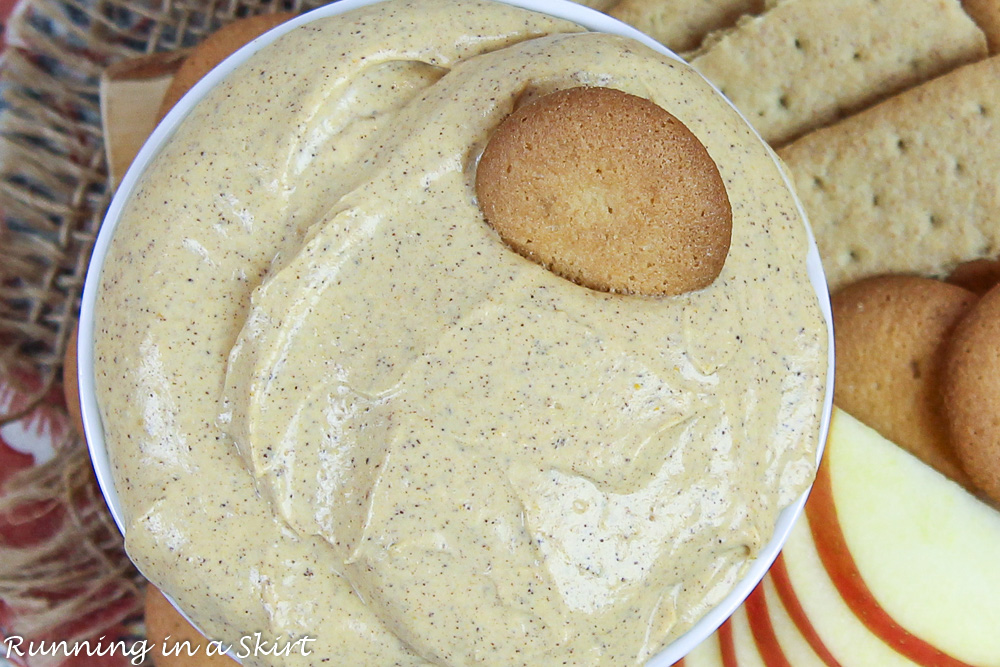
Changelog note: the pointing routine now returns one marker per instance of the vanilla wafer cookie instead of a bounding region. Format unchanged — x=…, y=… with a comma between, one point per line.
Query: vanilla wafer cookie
x=986, y=14
x=214, y=49
x=978, y=276
x=175, y=642
x=608, y=190
x=909, y=186
x=71, y=386
x=891, y=333
x=972, y=392
x=800, y=66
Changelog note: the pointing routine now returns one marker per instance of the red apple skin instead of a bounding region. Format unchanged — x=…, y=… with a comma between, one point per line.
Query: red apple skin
x=783, y=585
x=762, y=630
x=726, y=645
x=831, y=545
x=839, y=564
x=835, y=556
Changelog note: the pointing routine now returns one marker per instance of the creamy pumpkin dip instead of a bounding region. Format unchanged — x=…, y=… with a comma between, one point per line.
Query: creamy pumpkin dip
x=338, y=407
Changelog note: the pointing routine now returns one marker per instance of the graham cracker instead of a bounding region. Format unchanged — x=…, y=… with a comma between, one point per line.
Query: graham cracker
x=909, y=186
x=801, y=65
x=986, y=14
x=682, y=24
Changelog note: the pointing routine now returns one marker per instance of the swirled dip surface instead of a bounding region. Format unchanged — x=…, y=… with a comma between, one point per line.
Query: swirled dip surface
x=339, y=407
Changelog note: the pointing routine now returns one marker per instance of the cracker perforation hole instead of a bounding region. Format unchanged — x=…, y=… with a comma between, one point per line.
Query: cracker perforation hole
x=850, y=256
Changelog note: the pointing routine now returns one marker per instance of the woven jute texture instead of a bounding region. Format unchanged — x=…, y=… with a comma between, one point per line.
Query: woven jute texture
x=54, y=190
x=53, y=174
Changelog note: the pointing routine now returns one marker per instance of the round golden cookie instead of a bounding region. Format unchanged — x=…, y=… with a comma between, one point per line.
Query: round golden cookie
x=214, y=49
x=972, y=392
x=71, y=384
x=890, y=334
x=978, y=275
x=166, y=627
x=608, y=190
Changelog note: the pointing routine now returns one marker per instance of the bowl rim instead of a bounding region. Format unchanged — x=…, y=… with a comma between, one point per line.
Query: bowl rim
x=588, y=18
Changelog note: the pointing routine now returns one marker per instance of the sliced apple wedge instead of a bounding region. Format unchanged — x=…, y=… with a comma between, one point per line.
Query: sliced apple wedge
x=798, y=634
x=839, y=631
x=928, y=551
x=892, y=565
x=740, y=648
x=782, y=640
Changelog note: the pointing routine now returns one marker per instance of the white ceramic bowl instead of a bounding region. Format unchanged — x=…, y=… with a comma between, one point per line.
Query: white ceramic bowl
x=588, y=18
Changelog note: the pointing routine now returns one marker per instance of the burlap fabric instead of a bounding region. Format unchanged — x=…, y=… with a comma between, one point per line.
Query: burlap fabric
x=54, y=190
x=53, y=175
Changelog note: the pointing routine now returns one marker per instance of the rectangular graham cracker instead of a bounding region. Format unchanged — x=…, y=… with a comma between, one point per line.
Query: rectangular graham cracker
x=909, y=186
x=986, y=14
x=682, y=24
x=803, y=64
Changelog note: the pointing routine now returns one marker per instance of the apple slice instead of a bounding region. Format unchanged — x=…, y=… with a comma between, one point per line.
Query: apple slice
x=844, y=636
x=738, y=645
x=732, y=645
x=764, y=632
x=927, y=551
x=758, y=617
x=892, y=565
x=791, y=621
x=781, y=640
x=749, y=638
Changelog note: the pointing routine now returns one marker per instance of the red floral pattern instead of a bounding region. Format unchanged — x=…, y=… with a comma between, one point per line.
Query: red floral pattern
x=31, y=441
x=6, y=9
